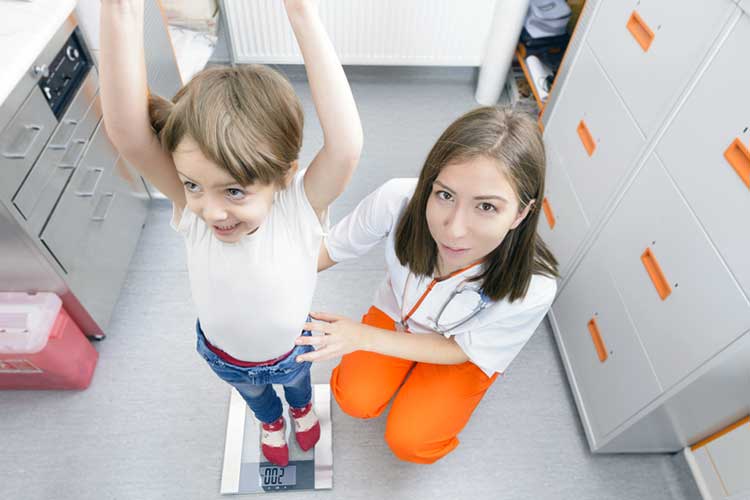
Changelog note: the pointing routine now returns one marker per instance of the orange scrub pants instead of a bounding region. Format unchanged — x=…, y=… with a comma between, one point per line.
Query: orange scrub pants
x=433, y=405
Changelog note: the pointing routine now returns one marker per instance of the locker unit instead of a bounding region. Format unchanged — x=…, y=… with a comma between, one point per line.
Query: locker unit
x=720, y=462
x=648, y=140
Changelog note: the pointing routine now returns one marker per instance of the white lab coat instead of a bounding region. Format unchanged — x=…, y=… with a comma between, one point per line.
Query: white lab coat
x=491, y=339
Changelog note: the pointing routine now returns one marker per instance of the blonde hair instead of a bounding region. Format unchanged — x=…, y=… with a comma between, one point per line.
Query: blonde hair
x=246, y=119
x=513, y=139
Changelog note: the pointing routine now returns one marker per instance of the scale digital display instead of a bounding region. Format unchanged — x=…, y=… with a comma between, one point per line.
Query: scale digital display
x=274, y=477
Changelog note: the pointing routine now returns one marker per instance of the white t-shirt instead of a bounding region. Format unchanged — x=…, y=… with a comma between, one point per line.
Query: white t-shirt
x=492, y=338
x=253, y=296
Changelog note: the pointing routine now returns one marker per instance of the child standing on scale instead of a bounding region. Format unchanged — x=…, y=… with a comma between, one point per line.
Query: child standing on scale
x=225, y=151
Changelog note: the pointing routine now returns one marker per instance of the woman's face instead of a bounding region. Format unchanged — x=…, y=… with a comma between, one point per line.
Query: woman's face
x=228, y=208
x=470, y=210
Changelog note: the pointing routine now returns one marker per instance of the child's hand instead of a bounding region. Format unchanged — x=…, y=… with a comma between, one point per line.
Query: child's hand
x=340, y=336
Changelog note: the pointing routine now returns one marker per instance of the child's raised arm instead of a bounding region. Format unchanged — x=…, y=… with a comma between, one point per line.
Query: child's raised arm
x=332, y=167
x=124, y=94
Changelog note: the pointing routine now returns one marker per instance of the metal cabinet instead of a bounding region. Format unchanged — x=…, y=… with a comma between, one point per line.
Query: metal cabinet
x=93, y=230
x=564, y=224
x=707, y=151
x=22, y=141
x=110, y=231
x=650, y=49
x=681, y=298
x=593, y=133
x=66, y=228
x=610, y=367
x=722, y=462
x=71, y=210
x=44, y=185
x=660, y=276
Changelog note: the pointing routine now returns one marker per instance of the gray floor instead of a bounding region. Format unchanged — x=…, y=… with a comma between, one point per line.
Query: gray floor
x=152, y=423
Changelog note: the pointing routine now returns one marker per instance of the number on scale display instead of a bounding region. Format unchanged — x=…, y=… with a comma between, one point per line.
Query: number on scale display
x=278, y=476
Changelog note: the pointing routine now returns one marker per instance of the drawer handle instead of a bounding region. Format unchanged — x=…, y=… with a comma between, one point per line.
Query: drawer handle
x=22, y=144
x=596, y=337
x=548, y=213
x=640, y=31
x=102, y=208
x=586, y=138
x=92, y=178
x=64, y=134
x=73, y=155
x=739, y=158
x=655, y=273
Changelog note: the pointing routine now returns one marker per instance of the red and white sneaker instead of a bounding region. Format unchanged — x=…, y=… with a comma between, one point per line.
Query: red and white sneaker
x=273, y=443
x=306, y=426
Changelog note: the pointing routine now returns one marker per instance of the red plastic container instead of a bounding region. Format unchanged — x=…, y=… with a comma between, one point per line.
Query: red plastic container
x=50, y=357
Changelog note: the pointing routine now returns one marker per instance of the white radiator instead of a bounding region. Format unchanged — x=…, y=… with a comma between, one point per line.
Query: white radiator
x=370, y=32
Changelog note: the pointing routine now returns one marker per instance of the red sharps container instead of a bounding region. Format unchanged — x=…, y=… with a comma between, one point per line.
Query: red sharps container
x=41, y=347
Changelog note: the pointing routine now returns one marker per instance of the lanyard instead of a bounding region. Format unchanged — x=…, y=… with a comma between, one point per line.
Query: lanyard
x=402, y=326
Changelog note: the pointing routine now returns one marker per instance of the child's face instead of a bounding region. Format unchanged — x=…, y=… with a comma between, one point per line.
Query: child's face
x=228, y=208
x=470, y=210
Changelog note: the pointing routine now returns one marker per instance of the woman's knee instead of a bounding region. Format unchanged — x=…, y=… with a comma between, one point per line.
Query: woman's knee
x=412, y=443
x=354, y=400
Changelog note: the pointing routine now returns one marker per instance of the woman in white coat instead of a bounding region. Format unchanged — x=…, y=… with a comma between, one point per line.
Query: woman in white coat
x=468, y=283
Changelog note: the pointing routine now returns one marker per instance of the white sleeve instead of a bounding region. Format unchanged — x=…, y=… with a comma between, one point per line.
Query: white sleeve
x=296, y=211
x=372, y=221
x=494, y=345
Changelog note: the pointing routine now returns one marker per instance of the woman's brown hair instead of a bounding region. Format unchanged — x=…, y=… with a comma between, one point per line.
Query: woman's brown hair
x=246, y=119
x=513, y=139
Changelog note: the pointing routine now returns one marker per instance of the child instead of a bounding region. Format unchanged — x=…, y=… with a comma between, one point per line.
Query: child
x=225, y=151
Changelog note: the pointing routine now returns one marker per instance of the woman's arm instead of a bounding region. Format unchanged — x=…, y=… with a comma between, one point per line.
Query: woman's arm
x=342, y=336
x=333, y=166
x=124, y=94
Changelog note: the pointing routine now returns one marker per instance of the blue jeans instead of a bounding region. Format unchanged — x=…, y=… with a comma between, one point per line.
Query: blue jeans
x=254, y=383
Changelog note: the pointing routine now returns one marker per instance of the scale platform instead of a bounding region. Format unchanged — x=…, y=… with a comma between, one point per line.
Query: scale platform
x=247, y=471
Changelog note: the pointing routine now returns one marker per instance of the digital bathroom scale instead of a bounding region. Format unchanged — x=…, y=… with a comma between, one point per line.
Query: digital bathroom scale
x=245, y=468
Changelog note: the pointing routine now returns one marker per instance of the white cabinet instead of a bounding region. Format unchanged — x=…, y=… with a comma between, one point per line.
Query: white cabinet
x=651, y=49
x=564, y=225
x=612, y=372
x=593, y=133
x=680, y=295
x=723, y=463
x=706, y=149
x=649, y=132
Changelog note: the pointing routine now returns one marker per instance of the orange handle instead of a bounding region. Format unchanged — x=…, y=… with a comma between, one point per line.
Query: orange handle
x=657, y=276
x=601, y=350
x=548, y=213
x=739, y=158
x=586, y=138
x=640, y=31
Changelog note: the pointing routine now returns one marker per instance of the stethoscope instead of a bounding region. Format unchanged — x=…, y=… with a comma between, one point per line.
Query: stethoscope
x=444, y=328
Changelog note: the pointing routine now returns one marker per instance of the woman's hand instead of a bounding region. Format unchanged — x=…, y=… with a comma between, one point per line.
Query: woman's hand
x=340, y=336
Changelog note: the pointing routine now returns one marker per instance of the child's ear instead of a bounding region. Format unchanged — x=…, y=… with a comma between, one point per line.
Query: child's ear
x=522, y=215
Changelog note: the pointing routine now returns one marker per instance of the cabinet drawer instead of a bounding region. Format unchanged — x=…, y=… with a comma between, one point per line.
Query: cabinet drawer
x=22, y=141
x=66, y=227
x=651, y=49
x=46, y=181
x=685, y=304
x=724, y=459
x=75, y=113
x=563, y=225
x=108, y=241
x=593, y=133
x=611, y=368
x=707, y=152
